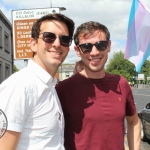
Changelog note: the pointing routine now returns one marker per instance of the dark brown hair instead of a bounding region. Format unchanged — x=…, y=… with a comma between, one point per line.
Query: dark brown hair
x=56, y=16
x=88, y=28
x=78, y=67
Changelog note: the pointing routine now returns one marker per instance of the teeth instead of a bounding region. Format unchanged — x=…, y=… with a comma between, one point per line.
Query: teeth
x=95, y=60
x=56, y=53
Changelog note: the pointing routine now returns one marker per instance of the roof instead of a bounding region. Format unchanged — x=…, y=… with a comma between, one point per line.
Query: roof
x=5, y=20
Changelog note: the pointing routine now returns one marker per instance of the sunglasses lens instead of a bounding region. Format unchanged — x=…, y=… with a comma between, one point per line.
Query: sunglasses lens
x=65, y=40
x=86, y=48
x=49, y=37
x=102, y=45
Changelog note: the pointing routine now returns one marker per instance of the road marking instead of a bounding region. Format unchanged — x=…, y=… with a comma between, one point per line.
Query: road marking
x=141, y=94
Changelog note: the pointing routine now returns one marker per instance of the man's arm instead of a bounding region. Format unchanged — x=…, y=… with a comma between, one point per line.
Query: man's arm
x=9, y=140
x=133, y=134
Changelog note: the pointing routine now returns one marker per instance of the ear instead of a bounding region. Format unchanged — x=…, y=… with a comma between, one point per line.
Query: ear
x=109, y=45
x=77, y=51
x=33, y=45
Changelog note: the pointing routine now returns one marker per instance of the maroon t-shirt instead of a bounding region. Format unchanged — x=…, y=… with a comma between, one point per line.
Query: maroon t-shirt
x=94, y=111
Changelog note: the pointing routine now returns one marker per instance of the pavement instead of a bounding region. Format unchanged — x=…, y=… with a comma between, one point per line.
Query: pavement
x=144, y=145
x=125, y=143
x=141, y=86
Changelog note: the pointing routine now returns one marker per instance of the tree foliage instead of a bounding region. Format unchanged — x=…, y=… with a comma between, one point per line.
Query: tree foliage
x=15, y=69
x=146, y=69
x=119, y=65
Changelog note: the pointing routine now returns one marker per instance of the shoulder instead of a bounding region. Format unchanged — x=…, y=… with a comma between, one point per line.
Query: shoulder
x=73, y=78
x=18, y=90
x=14, y=90
x=115, y=77
x=118, y=80
x=17, y=81
x=67, y=83
x=13, y=79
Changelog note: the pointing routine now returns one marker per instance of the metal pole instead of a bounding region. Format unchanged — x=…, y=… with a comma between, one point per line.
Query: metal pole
x=25, y=62
x=137, y=78
x=50, y=4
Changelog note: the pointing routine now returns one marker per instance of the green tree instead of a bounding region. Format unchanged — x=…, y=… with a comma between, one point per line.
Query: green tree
x=15, y=69
x=119, y=65
x=146, y=69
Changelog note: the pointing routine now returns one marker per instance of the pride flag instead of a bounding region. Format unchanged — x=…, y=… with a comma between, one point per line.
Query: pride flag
x=138, y=35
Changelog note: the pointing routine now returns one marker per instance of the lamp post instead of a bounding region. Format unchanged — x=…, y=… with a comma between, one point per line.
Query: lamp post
x=60, y=8
x=137, y=79
x=50, y=3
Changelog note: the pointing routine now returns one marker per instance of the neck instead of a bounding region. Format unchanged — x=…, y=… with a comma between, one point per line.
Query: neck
x=93, y=75
x=51, y=69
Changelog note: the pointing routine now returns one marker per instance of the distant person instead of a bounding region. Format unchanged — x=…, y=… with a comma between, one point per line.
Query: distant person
x=95, y=103
x=130, y=84
x=133, y=84
x=78, y=67
x=28, y=97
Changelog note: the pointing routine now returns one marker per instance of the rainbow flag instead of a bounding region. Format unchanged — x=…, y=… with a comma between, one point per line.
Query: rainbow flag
x=138, y=35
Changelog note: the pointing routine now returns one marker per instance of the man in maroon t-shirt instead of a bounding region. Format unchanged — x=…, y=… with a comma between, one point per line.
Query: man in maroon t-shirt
x=94, y=102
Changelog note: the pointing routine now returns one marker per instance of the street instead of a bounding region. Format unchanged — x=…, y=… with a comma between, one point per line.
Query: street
x=141, y=98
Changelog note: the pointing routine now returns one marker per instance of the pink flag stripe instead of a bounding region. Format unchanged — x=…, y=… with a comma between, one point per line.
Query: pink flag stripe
x=138, y=37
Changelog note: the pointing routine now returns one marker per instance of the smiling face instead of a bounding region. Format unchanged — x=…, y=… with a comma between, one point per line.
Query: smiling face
x=95, y=60
x=50, y=55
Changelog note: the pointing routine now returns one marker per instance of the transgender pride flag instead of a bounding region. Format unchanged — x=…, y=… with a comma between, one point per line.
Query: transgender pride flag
x=138, y=36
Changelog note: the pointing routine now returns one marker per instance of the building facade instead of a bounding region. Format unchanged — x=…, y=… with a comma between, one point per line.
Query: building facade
x=6, y=48
x=66, y=71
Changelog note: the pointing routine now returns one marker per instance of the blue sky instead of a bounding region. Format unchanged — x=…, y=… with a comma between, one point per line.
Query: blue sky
x=113, y=13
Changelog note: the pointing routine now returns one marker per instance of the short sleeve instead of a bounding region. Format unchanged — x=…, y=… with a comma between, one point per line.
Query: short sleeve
x=15, y=102
x=130, y=104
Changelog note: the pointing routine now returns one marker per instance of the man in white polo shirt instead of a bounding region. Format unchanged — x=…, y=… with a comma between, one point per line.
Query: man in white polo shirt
x=28, y=100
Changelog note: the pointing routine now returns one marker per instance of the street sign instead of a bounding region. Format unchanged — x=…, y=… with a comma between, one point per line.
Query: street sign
x=140, y=76
x=23, y=21
x=148, y=78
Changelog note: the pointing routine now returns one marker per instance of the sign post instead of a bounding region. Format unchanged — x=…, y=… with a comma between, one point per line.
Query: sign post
x=23, y=21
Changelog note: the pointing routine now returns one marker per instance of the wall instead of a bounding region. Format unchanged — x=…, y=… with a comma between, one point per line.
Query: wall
x=6, y=50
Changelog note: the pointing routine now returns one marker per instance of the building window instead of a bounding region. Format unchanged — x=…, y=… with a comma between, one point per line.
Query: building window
x=1, y=72
x=6, y=44
x=67, y=74
x=1, y=37
x=7, y=71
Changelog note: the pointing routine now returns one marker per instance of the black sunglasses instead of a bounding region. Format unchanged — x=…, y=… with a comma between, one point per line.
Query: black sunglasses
x=50, y=37
x=87, y=47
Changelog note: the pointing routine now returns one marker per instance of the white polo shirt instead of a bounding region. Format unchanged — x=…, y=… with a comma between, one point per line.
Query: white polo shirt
x=31, y=105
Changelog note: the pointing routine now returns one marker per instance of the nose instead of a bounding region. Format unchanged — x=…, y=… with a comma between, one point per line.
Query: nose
x=94, y=51
x=56, y=43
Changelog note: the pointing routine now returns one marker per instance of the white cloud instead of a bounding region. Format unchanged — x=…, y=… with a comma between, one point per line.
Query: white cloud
x=113, y=13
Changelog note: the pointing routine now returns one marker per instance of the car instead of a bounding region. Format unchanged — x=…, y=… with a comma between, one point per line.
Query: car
x=144, y=115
